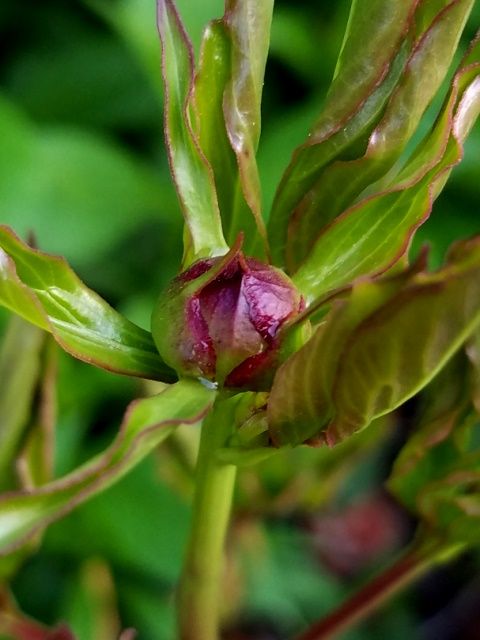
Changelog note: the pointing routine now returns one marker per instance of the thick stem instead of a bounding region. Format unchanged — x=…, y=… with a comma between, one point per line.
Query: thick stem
x=199, y=595
x=414, y=563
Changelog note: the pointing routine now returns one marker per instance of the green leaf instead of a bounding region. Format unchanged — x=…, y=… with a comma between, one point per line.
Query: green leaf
x=376, y=350
x=247, y=25
x=211, y=80
x=146, y=423
x=20, y=365
x=433, y=448
x=437, y=473
x=37, y=457
x=190, y=169
x=300, y=403
x=451, y=504
x=364, y=78
x=399, y=349
x=44, y=290
x=371, y=236
x=309, y=197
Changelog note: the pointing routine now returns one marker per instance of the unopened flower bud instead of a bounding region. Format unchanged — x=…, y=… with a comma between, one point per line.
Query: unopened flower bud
x=220, y=320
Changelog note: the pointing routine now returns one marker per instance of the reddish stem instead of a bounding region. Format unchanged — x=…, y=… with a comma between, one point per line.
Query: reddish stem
x=415, y=562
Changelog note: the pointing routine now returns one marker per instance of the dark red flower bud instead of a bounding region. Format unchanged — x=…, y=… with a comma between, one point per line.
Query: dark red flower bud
x=220, y=320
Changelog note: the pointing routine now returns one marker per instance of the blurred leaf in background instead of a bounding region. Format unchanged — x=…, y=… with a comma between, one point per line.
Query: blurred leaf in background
x=83, y=167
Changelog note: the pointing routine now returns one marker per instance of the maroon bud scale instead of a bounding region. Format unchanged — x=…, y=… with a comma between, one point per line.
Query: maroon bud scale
x=221, y=319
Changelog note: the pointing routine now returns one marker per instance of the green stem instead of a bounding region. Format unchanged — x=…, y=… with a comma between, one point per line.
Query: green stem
x=199, y=595
x=410, y=566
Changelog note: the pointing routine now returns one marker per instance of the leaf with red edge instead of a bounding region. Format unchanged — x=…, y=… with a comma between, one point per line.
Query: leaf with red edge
x=431, y=43
x=247, y=24
x=226, y=112
x=45, y=291
x=368, y=68
x=371, y=236
x=437, y=473
x=147, y=422
x=375, y=350
x=190, y=169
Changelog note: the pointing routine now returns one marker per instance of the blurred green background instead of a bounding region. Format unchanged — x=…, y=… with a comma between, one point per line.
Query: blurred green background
x=83, y=167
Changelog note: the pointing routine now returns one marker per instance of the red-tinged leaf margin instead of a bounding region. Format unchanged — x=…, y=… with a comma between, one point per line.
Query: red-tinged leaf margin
x=112, y=342
x=339, y=111
x=423, y=179
x=147, y=422
x=247, y=23
x=337, y=187
x=455, y=293
x=345, y=376
x=191, y=172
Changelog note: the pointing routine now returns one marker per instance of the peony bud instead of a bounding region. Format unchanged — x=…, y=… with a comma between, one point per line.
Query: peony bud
x=220, y=320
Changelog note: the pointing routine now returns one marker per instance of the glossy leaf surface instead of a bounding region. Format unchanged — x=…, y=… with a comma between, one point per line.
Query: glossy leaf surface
x=45, y=291
x=431, y=45
x=214, y=78
x=374, y=31
x=376, y=350
x=368, y=238
x=191, y=172
x=146, y=423
x=247, y=24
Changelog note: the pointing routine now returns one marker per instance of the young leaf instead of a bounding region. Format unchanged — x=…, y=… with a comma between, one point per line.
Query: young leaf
x=44, y=290
x=190, y=169
x=368, y=238
x=437, y=473
x=19, y=371
x=336, y=187
x=247, y=24
x=367, y=359
x=216, y=81
x=369, y=65
x=432, y=448
x=146, y=423
x=300, y=402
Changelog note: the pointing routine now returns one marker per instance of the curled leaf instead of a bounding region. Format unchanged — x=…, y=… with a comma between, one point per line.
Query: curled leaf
x=45, y=291
x=375, y=350
x=191, y=172
x=372, y=235
x=214, y=103
x=431, y=43
x=247, y=23
x=146, y=423
x=369, y=65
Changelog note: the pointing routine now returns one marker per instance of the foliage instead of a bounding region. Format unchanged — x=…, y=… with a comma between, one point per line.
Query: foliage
x=374, y=327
